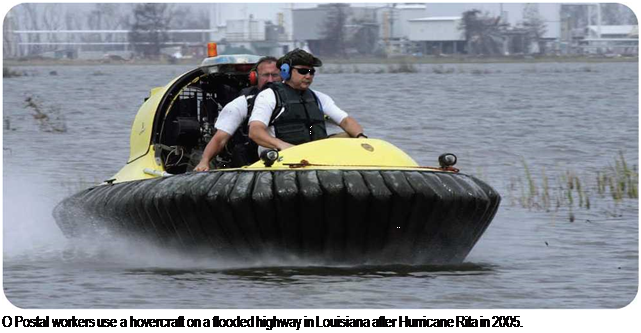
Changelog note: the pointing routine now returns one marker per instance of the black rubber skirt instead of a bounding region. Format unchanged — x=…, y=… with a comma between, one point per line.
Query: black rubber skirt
x=353, y=217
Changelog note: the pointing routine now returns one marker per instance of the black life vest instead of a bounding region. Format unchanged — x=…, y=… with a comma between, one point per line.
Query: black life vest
x=298, y=117
x=244, y=150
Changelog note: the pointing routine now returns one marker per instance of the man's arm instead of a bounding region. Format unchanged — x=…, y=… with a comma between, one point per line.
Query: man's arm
x=214, y=147
x=229, y=119
x=258, y=133
x=351, y=126
x=338, y=116
x=261, y=116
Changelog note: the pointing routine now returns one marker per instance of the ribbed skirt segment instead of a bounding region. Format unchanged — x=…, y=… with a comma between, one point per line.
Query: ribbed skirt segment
x=344, y=216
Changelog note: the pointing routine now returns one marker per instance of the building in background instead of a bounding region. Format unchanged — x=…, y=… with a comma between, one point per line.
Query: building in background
x=396, y=27
x=336, y=30
x=610, y=39
x=437, y=35
x=441, y=31
x=252, y=36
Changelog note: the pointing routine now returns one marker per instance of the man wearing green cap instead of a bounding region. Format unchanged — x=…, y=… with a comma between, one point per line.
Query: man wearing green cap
x=289, y=113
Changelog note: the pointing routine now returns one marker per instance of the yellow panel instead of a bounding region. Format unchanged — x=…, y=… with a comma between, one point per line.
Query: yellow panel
x=135, y=169
x=344, y=153
x=140, y=137
x=328, y=154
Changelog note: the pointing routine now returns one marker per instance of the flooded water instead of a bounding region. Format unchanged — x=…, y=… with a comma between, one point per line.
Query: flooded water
x=552, y=117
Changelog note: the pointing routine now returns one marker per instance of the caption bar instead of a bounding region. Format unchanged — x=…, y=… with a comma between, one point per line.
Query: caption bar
x=264, y=322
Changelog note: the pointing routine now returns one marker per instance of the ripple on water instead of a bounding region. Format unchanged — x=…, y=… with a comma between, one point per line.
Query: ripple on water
x=553, y=116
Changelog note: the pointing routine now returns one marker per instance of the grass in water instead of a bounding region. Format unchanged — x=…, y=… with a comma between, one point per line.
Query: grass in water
x=402, y=68
x=8, y=73
x=574, y=191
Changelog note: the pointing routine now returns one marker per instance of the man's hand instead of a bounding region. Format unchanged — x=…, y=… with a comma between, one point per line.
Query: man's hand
x=284, y=145
x=202, y=166
x=351, y=126
x=258, y=133
x=215, y=145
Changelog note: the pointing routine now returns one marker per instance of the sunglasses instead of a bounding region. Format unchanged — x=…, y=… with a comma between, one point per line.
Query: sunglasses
x=305, y=71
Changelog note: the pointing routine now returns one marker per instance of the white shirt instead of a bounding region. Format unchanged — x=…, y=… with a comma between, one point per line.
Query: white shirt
x=266, y=102
x=232, y=115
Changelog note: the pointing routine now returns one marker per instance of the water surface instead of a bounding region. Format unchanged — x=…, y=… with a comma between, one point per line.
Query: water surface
x=555, y=117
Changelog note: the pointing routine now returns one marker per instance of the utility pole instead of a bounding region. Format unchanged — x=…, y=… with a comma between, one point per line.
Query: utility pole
x=598, y=20
x=213, y=22
x=386, y=30
x=392, y=20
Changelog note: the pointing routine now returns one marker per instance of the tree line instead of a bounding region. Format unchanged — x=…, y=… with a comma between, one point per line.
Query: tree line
x=148, y=24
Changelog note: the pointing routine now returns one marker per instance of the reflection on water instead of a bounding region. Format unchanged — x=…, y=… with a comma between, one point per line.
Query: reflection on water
x=298, y=274
x=556, y=117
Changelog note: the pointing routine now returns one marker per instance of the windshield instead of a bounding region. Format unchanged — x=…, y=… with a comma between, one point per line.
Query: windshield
x=230, y=59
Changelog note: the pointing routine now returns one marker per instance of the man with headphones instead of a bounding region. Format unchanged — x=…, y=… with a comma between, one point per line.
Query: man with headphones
x=232, y=120
x=289, y=113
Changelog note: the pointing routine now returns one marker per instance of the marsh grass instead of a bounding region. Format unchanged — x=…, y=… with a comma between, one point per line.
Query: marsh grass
x=7, y=72
x=477, y=71
x=583, y=69
x=356, y=69
x=403, y=67
x=572, y=191
x=442, y=70
x=47, y=123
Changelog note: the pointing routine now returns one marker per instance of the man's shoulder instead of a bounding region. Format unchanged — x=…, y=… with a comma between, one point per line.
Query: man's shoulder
x=272, y=86
x=266, y=92
x=240, y=101
x=253, y=90
x=316, y=92
x=320, y=95
x=275, y=84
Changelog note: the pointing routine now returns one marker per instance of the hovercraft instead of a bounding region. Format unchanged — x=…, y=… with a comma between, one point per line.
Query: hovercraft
x=341, y=200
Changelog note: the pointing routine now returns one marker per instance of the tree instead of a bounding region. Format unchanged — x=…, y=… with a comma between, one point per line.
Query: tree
x=51, y=20
x=189, y=20
x=333, y=30
x=149, y=28
x=73, y=21
x=105, y=16
x=8, y=39
x=535, y=26
x=31, y=22
x=575, y=16
x=617, y=14
x=481, y=33
x=365, y=37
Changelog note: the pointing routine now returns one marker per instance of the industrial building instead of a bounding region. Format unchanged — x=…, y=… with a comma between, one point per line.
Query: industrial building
x=379, y=30
x=437, y=35
x=609, y=39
